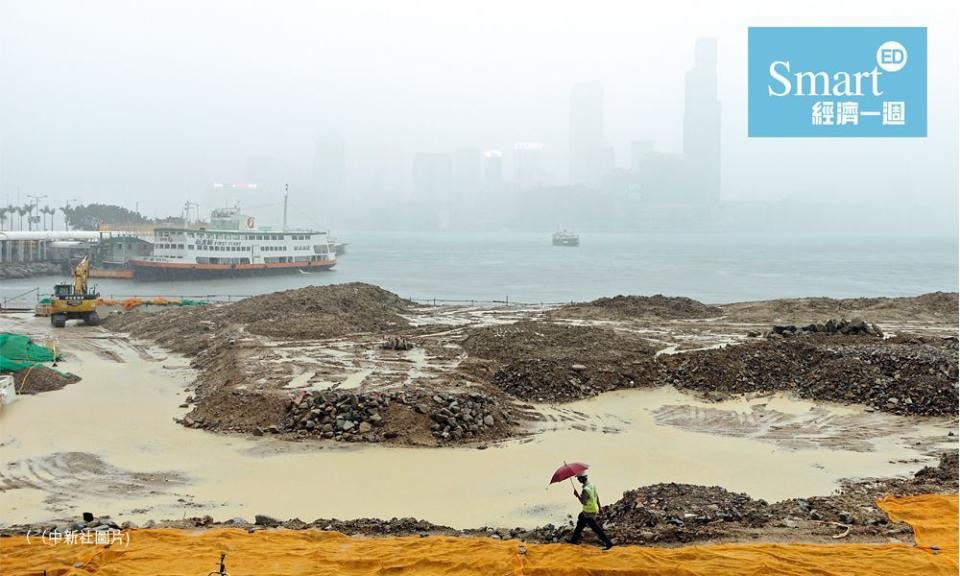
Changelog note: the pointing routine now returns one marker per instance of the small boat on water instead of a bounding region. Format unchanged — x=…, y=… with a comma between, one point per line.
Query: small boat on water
x=566, y=238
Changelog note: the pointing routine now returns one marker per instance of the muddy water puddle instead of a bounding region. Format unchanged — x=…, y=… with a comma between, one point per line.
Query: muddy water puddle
x=108, y=444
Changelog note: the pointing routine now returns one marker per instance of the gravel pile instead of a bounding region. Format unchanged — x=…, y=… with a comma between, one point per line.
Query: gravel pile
x=903, y=375
x=855, y=327
x=375, y=417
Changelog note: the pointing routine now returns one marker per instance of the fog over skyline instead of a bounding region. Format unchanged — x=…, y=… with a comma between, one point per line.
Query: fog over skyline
x=151, y=102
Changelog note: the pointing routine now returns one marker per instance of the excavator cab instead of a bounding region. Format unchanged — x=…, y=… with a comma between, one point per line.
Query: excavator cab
x=75, y=301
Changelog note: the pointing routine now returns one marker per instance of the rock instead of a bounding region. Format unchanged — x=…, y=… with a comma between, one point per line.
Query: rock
x=488, y=420
x=365, y=427
x=263, y=520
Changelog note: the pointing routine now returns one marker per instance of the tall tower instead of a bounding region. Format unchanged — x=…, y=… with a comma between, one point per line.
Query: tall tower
x=701, y=124
x=528, y=164
x=586, y=133
x=432, y=178
x=492, y=170
x=468, y=175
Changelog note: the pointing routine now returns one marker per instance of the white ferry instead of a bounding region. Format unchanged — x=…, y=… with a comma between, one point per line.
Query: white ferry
x=232, y=246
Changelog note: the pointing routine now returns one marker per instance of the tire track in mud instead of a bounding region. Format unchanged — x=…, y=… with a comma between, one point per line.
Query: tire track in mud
x=68, y=475
x=819, y=428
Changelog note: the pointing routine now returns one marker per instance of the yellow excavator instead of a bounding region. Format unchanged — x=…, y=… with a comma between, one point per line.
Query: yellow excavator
x=75, y=301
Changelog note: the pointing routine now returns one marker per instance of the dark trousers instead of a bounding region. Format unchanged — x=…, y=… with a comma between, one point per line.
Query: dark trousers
x=591, y=521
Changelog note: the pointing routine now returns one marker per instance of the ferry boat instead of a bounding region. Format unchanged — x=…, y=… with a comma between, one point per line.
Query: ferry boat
x=231, y=247
x=565, y=238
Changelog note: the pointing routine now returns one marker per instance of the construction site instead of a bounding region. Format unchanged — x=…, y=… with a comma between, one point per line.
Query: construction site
x=348, y=430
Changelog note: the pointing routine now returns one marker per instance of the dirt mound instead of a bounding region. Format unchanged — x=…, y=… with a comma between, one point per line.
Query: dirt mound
x=314, y=312
x=42, y=379
x=543, y=361
x=901, y=376
x=527, y=340
x=657, y=306
x=681, y=513
x=931, y=307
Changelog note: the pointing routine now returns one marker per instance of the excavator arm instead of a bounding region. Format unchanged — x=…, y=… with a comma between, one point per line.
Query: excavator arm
x=80, y=274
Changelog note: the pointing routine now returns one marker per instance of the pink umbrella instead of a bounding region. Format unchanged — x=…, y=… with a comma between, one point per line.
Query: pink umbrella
x=568, y=471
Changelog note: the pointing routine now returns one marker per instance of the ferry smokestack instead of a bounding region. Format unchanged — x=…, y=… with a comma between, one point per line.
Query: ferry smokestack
x=286, y=189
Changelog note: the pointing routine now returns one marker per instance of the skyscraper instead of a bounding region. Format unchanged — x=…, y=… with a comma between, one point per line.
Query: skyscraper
x=528, y=164
x=492, y=170
x=467, y=175
x=586, y=133
x=432, y=178
x=639, y=149
x=701, y=124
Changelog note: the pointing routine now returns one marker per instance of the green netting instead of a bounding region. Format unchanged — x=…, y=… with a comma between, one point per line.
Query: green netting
x=18, y=352
x=46, y=300
x=188, y=302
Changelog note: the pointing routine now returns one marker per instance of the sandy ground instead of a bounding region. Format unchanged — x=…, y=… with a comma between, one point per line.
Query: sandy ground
x=109, y=444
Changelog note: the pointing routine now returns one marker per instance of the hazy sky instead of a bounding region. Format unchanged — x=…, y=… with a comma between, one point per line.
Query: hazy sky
x=151, y=101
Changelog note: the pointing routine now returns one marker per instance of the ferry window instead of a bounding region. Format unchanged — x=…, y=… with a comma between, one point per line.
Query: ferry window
x=179, y=246
x=190, y=247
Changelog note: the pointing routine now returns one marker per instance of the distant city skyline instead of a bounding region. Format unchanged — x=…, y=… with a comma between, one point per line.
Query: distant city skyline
x=124, y=116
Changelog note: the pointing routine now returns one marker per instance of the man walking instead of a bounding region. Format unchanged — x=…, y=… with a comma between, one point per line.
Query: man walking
x=589, y=516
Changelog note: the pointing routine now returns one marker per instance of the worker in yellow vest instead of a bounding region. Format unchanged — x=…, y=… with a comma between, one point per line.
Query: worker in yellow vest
x=590, y=514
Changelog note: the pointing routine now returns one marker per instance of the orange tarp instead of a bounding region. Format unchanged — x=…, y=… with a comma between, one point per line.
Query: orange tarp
x=282, y=552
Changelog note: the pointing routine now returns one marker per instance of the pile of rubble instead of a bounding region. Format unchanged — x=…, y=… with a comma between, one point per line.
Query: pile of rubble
x=545, y=361
x=903, y=375
x=681, y=513
x=375, y=417
x=855, y=327
x=900, y=375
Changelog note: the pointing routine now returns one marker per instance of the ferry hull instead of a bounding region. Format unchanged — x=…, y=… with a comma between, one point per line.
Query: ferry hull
x=160, y=271
x=118, y=273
